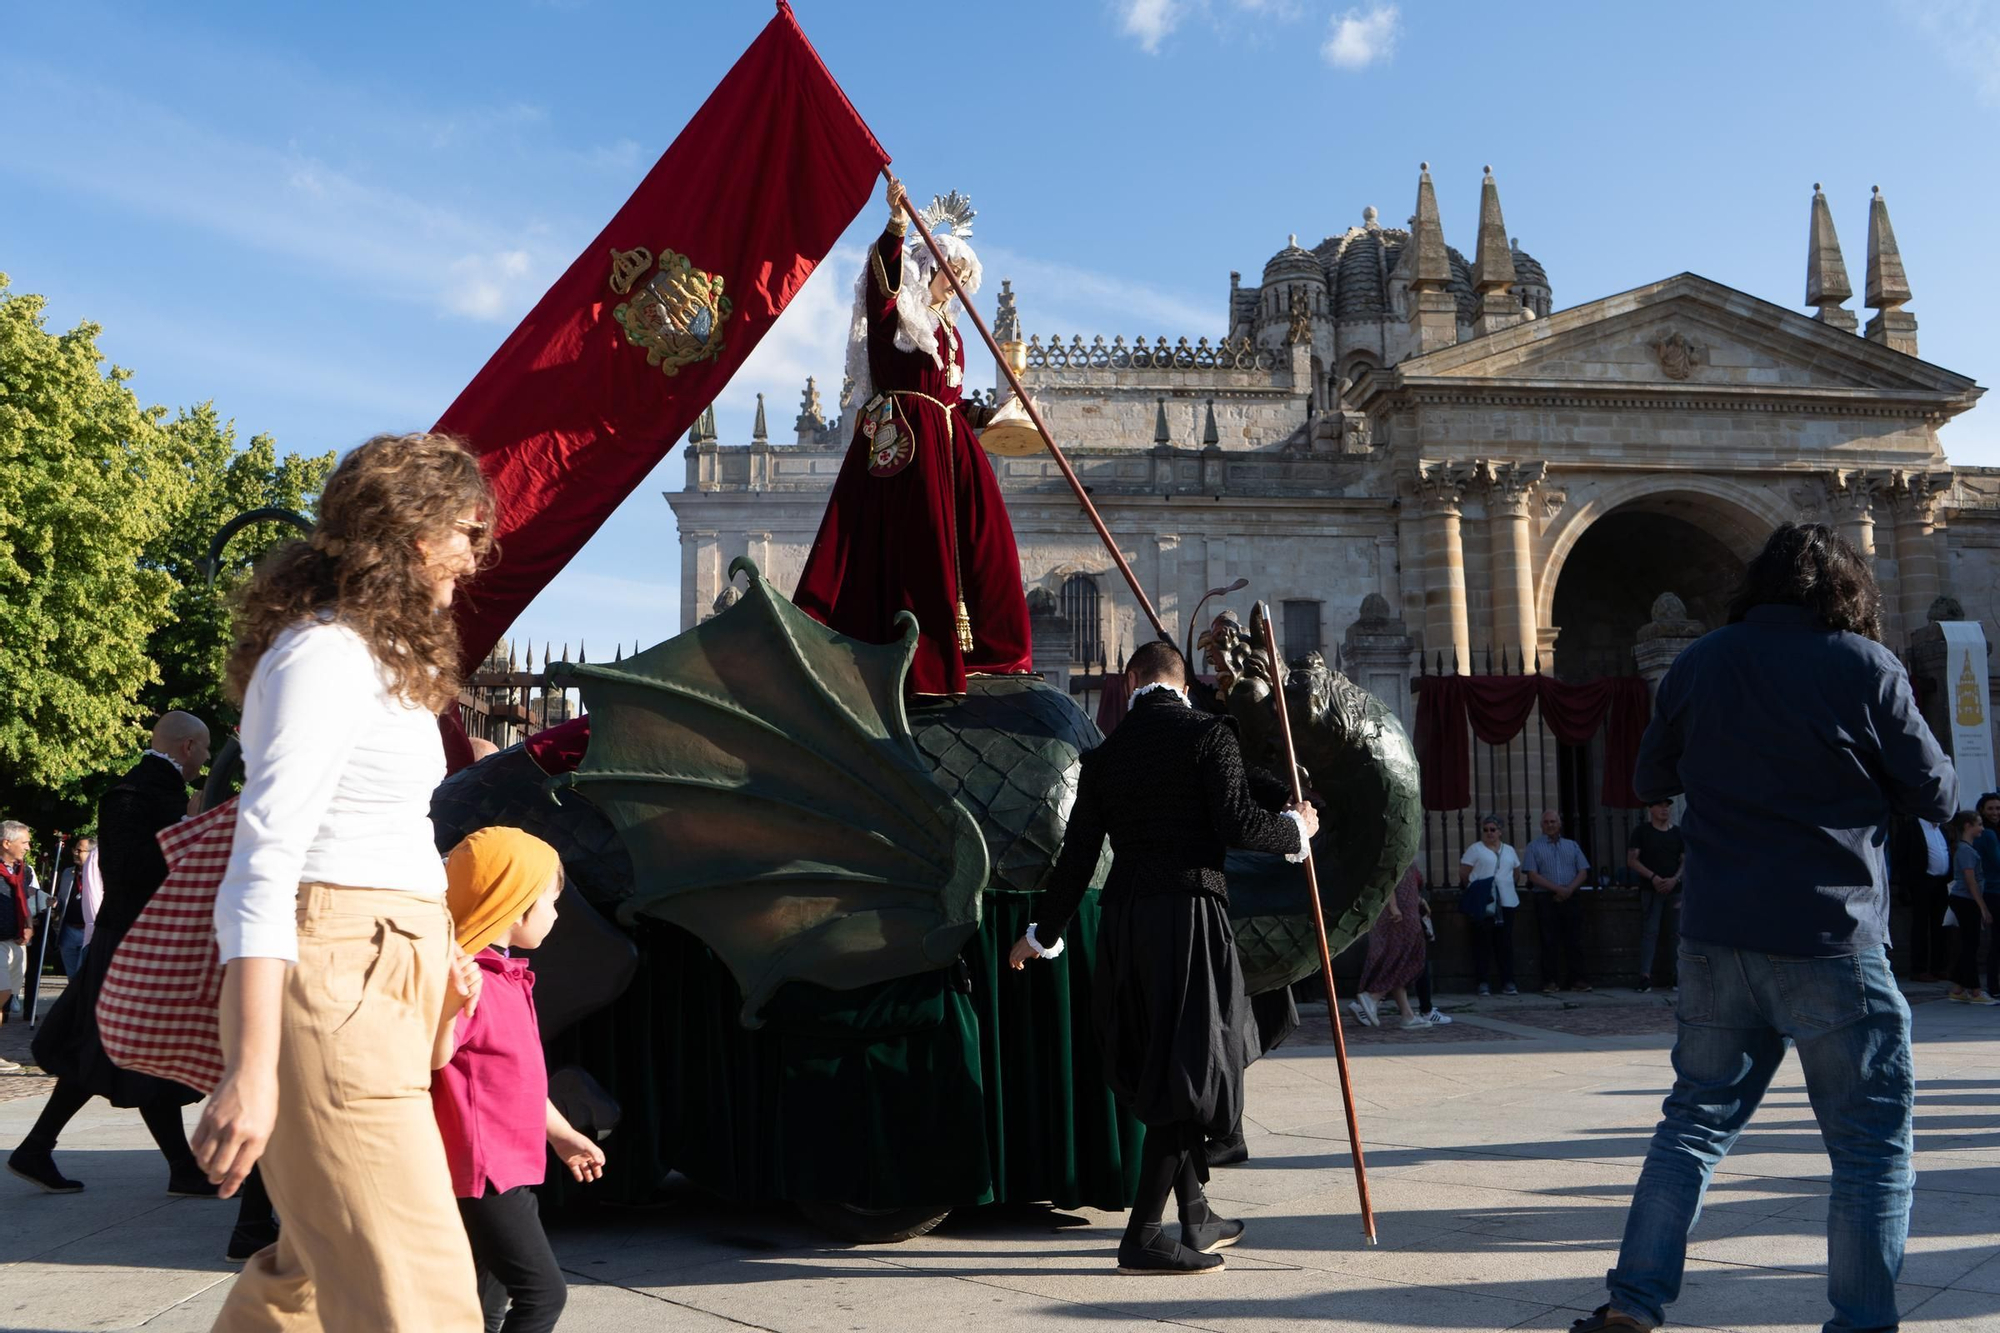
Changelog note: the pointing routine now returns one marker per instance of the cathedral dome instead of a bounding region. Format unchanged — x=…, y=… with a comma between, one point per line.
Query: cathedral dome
x=1292, y=264
x=1360, y=262
x=1528, y=270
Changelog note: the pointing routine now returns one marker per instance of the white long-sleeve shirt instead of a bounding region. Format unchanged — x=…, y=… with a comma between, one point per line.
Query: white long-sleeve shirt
x=337, y=788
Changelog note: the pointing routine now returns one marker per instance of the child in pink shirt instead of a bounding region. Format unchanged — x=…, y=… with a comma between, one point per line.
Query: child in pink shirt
x=491, y=1088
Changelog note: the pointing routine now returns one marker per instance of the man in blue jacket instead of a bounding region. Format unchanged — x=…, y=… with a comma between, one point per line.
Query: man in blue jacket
x=1794, y=736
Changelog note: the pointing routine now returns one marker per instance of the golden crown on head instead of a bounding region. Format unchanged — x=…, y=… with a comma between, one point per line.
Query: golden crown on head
x=954, y=210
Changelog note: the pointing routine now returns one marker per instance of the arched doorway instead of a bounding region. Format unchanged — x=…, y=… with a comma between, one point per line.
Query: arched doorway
x=1620, y=564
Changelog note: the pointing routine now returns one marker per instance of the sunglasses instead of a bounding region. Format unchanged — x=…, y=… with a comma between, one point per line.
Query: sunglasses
x=472, y=528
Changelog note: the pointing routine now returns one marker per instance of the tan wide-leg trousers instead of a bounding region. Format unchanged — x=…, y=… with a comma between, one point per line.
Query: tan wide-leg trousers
x=369, y=1237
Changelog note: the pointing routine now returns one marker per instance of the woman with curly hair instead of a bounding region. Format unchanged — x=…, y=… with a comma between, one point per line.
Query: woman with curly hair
x=331, y=917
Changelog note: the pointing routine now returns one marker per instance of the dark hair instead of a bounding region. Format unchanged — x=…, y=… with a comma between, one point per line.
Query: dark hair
x=1954, y=827
x=1811, y=565
x=1157, y=660
x=1980, y=804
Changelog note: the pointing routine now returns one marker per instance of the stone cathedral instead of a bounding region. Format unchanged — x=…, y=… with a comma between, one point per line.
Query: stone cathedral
x=1409, y=453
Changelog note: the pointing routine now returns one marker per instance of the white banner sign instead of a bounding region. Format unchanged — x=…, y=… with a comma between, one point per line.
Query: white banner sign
x=1967, y=700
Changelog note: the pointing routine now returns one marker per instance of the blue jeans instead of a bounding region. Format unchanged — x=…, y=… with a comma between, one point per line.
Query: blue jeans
x=72, y=948
x=1852, y=1029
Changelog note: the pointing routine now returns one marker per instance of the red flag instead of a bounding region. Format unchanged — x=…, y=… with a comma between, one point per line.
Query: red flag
x=625, y=350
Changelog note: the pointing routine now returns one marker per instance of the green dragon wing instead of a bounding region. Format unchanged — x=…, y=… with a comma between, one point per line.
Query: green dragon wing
x=761, y=771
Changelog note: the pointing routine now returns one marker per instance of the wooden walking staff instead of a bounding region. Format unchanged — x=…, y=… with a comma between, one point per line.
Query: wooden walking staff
x=1034, y=415
x=1263, y=615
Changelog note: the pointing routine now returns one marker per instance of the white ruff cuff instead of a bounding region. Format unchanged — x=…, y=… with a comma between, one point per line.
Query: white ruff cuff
x=1036, y=944
x=1304, y=844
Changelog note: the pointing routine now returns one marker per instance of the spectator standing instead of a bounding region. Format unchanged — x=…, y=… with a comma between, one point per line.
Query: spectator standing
x=151, y=796
x=1794, y=735
x=18, y=891
x=1968, y=907
x=72, y=913
x=1654, y=854
x=1558, y=873
x=1493, y=858
x=1988, y=846
x=1920, y=864
x=1395, y=955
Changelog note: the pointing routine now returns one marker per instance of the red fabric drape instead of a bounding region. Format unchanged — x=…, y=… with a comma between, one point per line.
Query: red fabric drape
x=570, y=415
x=1496, y=708
x=1111, y=704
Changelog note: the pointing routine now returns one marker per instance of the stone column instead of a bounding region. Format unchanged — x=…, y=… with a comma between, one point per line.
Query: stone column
x=1376, y=655
x=1914, y=501
x=1851, y=501
x=1661, y=640
x=1441, y=489
x=1929, y=659
x=1510, y=490
x=1167, y=581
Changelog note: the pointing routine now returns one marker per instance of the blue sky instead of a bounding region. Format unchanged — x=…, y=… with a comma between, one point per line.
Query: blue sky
x=325, y=218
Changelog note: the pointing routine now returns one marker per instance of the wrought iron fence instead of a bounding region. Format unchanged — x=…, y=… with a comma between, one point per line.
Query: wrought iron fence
x=1242, y=354
x=1517, y=780
x=509, y=699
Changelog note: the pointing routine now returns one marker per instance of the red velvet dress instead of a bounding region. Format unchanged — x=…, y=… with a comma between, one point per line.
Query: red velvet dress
x=916, y=521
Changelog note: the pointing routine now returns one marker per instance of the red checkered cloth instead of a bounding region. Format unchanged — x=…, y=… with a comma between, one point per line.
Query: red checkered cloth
x=157, y=1012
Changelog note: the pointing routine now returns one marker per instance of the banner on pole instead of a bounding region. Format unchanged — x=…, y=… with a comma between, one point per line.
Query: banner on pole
x=646, y=327
x=1971, y=725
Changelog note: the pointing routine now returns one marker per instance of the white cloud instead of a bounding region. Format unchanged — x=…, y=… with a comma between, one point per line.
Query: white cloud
x=1359, y=39
x=1967, y=34
x=487, y=287
x=1151, y=20
x=1061, y=298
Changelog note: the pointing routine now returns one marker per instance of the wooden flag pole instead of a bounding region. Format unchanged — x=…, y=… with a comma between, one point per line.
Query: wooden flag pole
x=1319, y=927
x=1035, y=415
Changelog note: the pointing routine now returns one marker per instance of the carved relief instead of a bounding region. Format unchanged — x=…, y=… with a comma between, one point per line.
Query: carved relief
x=1678, y=355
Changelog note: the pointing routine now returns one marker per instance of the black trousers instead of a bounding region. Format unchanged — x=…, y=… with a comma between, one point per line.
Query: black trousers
x=1559, y=922
x=1965, y=964
x=1930, y=946
x=1494, y=935
x=163, y=1122
x=514, y=1260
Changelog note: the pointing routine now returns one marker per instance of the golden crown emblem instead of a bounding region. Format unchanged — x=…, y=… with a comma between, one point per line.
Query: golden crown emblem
x=628, y=266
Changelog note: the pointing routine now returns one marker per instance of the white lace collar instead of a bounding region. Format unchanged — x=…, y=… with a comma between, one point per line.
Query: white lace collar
x=1145, y=690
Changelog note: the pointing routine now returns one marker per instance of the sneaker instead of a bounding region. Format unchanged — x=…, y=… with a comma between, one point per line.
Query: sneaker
x=1548, y=988
x=1510, y=989
x=1959, y=995
x=1980, y=997
x=246, y=1241
x=39, y=1169
x=1361, y=1015
x=1605, y=1320
x=1416, y=1021
x=1437, y=1018
x=1484, y=989
x=1645, y=984
x=1582, y=986
x=8, y=1066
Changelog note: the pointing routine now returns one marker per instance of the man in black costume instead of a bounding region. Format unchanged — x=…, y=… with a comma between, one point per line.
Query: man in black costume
x=152, y=796
x=1168, y=788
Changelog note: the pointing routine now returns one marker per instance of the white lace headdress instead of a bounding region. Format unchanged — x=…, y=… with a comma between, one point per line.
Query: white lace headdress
x=916, y=325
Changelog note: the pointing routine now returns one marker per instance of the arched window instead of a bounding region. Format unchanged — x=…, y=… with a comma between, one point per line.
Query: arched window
x=1080, y=608
x=1301, y=629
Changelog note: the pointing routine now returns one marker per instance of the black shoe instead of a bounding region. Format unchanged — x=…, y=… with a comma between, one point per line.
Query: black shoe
x=1645, y=984
x=246, y=1241
x=39, y=1169
x=192, y=1187
x=1604, y=1320
x=1159, y=1255
x=1231, y=1151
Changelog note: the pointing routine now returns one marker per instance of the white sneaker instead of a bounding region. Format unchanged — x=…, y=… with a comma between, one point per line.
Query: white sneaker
x=8, y=1066
x=1416, y=1021
x=1437, y=1018
x=1363, y=1013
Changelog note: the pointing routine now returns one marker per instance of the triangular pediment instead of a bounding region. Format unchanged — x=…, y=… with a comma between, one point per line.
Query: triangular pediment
x=1687, y=334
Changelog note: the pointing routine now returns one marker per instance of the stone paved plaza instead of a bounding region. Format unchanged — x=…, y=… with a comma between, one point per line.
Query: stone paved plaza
x=1501, y=1152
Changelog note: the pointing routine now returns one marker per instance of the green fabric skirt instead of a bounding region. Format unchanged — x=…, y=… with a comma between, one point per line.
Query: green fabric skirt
x=906, y=1093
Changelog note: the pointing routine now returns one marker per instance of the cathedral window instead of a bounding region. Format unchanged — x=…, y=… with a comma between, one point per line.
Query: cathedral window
x=1301, y=629
x=1081, y=607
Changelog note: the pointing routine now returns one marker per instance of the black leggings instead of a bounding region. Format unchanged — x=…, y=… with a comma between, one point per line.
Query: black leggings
x=163, y=1122
x=1172, y=1161
x=512, y=1253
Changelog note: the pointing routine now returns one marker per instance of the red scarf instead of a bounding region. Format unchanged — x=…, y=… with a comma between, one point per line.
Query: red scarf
x=17, y=879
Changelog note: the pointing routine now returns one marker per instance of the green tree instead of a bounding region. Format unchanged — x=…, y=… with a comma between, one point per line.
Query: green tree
x=87, y=482
x=190, y=646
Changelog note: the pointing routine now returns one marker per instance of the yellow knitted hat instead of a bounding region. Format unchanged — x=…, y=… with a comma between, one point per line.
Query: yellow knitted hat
x=493, y=878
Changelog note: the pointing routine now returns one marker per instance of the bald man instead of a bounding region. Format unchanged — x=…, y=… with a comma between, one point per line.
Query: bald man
x=150, y=797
